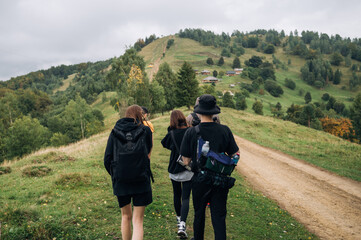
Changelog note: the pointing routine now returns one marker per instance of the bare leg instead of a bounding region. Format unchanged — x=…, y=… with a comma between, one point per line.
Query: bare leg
x=126, y=222
x=138, y=217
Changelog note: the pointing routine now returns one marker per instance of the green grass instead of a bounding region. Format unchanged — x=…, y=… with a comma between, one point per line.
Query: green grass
x=197, y=54
x=75, y=200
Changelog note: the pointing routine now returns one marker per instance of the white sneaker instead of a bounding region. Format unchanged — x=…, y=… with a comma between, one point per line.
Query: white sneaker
x=178, y=220
x=182, y=230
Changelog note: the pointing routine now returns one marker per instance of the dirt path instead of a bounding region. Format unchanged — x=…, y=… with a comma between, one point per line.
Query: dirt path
x=328, y=205
x=156, y=64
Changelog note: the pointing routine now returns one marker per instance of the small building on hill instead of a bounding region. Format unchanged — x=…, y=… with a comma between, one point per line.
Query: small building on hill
x=210, y=79
x=230, y=73
x=238, y=70
x=196, y=71
x=205, y=72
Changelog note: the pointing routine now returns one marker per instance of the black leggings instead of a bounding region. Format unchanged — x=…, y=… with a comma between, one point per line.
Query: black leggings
x=181, y=194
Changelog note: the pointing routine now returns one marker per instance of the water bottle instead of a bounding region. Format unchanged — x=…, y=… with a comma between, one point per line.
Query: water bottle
x=235, y=159
x=205, y=148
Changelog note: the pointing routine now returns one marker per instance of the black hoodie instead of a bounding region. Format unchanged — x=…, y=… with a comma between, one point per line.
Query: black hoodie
x=122, y=189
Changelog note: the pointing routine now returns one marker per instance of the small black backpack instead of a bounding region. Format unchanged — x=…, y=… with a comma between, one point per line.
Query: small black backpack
x=130, y=158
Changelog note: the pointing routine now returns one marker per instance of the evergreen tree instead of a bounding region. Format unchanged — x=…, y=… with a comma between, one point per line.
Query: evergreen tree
x=241, y=104
x=236, y=63
x=355, y=112
x=220, y=61
x=209, y=61
x=187, y=89
x=258, y=107
x=215, y=73
x=308, y=98
x=167, y=79
x=157, y=97
x=337, y=77
x=228, y=100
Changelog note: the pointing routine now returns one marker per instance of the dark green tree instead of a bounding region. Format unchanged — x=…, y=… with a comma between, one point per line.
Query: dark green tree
x=308, y=113
x=257, y=107
x=167, y=79
x=227, y=100
x=215, y=73
x=255, y=61
x=308, y=98
x=325, y=97
x=220, y=61
x=336, y=59
x=24, y=136
x=241, y=104
x=187, y=86
x=270, y=49
x=209, y=61
x=337, y=77
x=290, y=84
x=236, y=63
x=157, y=97
x=355, y=113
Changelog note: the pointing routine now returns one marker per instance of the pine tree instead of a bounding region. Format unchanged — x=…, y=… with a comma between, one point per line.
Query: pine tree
x=236, y=63
x=258, y=107
x=167, y=79
x=355, y=112
x=187, y=86
x=308, y=97
x=337, y=77
x=220, y=61
x=228, y=100
x=209, y=61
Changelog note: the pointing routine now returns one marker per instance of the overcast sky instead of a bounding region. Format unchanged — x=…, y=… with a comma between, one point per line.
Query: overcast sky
x=38, y=34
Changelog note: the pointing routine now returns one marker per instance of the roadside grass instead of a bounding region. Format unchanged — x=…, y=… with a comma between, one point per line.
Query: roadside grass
x=316, y=147
x=75, y=200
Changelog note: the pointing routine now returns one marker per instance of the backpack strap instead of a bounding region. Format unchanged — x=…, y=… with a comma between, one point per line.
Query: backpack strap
x=174, y=142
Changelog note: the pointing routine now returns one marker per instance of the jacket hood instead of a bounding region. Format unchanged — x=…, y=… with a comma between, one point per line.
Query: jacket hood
x=125, y=125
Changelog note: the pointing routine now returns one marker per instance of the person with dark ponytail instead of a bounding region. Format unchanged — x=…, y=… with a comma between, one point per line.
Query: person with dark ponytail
x=179, y=175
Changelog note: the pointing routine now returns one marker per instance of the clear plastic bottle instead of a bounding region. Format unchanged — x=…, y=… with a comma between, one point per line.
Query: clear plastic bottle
x=205, y=148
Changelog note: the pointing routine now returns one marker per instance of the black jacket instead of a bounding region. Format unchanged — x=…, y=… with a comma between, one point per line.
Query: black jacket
x=167, y=142
x=127, y=125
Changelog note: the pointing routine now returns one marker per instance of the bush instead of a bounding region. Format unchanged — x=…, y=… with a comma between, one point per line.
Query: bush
x=258, y=107
x=5, y=170
x=73, y=180
x=290, y=84
x=273, y=88
x=36, y=171
x=325, y=97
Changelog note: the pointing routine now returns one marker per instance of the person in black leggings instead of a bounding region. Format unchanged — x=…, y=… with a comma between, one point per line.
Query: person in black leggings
x=179, y=175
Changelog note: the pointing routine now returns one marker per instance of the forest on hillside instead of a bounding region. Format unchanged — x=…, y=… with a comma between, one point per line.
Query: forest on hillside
x=34, y=113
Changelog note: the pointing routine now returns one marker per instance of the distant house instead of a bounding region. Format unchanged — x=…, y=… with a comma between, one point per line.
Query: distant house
x=230, y=73
x=210, y=79
x=205, y=72
x=232, y=85
x=238, y=70
x=196, y=71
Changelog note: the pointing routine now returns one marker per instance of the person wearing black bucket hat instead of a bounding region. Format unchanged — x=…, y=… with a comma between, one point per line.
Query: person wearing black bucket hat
x=220, y=140
x=193, y=119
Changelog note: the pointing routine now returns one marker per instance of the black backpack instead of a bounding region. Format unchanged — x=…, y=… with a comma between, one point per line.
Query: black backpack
x=130, y=158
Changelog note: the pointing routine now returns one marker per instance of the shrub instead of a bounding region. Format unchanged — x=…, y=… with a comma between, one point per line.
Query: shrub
x=273, y=88
x=73, y=180
x=36, y=171
x=5, y=170
x=290, y=84
x=325, y=97
x=258, y=107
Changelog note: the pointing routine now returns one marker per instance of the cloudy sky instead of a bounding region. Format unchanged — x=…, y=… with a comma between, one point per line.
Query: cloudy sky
x=37, y=34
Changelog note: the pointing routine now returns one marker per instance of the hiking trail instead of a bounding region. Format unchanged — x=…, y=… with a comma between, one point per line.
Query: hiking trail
x=327, y=204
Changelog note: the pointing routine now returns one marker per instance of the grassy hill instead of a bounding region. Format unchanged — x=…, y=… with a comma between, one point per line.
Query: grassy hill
x=65, y=192
x=193, y=52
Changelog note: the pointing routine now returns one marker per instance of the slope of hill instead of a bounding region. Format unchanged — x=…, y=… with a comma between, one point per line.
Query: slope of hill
x=193, y=52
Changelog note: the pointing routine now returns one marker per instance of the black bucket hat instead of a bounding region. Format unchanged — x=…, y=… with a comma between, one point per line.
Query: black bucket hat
x=207, y=105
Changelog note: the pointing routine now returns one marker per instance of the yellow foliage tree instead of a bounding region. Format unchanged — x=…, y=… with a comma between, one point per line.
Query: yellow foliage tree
x=340, y=127
x=135, y=80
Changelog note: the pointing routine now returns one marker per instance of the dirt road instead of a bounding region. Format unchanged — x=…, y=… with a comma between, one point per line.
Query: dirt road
x=328, y=205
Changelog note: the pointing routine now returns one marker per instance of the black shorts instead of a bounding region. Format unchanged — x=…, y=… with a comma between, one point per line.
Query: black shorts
x=140, y=199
